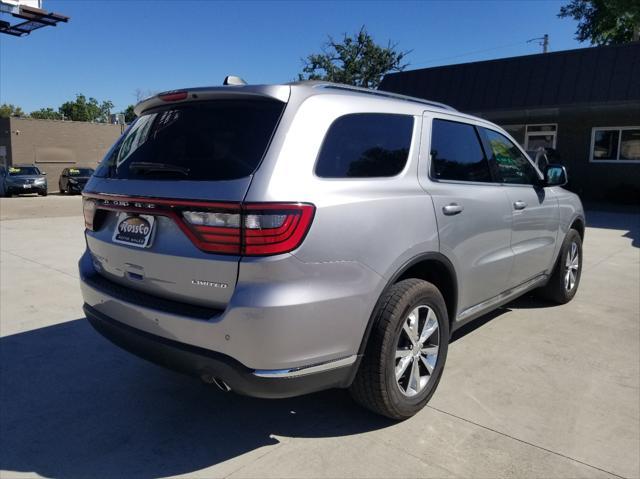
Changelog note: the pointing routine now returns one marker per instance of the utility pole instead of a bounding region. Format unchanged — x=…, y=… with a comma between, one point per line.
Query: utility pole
x=543, y=41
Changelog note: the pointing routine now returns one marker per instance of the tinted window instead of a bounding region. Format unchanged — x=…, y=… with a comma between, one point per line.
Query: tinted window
x=365, y=145
x=456, y=153
x=80, y=172
x=221, y=140
x=23, y=170
x=513, y=166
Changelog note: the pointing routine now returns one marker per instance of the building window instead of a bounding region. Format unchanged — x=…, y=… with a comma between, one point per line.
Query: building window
x=538, y=136
x=615, y=144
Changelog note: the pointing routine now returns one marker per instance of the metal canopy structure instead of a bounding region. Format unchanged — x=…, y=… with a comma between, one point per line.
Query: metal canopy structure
x=33, y=18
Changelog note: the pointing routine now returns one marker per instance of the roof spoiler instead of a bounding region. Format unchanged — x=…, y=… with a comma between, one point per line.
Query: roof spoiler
x=229, y=92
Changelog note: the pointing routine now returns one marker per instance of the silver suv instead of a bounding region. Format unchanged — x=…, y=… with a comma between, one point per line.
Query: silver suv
x=278, y=240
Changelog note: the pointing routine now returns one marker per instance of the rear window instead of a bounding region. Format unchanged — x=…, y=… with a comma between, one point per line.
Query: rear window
x=203, y=141
x=365, y=145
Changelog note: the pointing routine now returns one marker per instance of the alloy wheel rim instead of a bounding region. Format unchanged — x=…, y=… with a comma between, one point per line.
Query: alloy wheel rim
x=572, y=265
x=417, y=350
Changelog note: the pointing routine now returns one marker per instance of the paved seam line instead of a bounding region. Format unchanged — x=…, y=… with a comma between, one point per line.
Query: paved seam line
x=39, y=264
x=527, y=443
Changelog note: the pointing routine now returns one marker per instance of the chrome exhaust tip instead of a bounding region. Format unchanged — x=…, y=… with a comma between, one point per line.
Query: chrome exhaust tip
x=222, y=385
x=219, y=383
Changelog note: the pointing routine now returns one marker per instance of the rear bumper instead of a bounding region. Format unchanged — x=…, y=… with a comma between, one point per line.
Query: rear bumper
x=282, y=314
x=201, y=362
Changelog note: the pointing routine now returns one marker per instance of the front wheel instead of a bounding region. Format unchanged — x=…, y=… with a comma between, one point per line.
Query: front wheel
x=564, y=281
x=406, y=352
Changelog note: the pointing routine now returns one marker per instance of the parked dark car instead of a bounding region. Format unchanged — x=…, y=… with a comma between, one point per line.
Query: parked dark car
x=72, y=180
x=22, y=179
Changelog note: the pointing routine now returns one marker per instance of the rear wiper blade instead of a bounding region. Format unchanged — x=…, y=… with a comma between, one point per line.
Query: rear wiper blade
x=151, y=166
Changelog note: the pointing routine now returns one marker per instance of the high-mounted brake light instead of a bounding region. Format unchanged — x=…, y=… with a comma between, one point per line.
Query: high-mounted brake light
x=174, y=96
x=250, y=229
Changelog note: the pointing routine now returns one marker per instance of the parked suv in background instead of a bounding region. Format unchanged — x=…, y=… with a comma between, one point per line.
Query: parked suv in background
x=73, y=180
x=279, y=240
x=22, y=179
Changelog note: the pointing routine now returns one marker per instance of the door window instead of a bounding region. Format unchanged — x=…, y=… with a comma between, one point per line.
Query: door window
x=513, y=167
x=456, y=153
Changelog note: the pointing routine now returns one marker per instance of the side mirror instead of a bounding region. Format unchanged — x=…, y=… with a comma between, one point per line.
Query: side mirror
x=555, y=175
x=43, y=172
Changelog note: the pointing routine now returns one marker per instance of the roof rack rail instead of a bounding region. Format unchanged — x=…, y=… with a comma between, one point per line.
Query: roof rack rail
x=385, y=94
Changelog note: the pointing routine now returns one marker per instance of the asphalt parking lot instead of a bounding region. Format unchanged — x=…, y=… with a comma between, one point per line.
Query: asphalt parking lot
x=532, y=390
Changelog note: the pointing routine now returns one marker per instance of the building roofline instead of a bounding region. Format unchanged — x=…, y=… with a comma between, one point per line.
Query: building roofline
x=530, y=55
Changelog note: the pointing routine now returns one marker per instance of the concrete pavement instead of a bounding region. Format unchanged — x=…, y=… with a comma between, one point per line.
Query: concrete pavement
x=533, y=390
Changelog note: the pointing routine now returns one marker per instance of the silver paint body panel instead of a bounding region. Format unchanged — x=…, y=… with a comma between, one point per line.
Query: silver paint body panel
x=312, y=306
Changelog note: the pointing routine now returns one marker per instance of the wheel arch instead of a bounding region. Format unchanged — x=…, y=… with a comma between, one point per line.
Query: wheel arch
x=578, y=225
x=433, y=267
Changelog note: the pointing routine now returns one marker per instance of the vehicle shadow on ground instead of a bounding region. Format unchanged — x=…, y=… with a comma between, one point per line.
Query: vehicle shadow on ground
x=528, y=301
x=75, y=406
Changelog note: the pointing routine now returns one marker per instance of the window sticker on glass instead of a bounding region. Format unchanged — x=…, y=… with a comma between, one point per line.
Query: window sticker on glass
x=136, y=137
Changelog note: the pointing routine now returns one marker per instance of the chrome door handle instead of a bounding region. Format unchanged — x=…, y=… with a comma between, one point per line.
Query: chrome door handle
x=452, y=209
x=519, y=205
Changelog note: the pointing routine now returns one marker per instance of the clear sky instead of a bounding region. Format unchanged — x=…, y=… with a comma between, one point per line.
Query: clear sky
x=111, y=48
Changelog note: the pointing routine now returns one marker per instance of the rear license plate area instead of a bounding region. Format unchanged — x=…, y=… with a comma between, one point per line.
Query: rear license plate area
x=134, y=230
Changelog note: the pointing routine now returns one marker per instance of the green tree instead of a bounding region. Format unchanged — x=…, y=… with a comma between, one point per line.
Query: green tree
x=82, y=109
x=46, y=114
x=7, y=110
x=129, y=114
x=604, y=22
x=356, y=60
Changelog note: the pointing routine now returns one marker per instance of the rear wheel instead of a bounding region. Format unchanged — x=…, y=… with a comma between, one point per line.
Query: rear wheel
x=406, y=352
x=564, y=281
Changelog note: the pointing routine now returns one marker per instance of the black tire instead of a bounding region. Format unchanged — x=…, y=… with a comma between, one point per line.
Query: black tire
x=375, y=386
x=44, y=193
x=556, y=289
x=62, y=191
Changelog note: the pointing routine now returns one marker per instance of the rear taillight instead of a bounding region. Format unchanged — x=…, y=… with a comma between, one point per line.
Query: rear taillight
x=89, y=212
x=274, y=228
x=251, y=229
x=256, y=229
x=214, y=231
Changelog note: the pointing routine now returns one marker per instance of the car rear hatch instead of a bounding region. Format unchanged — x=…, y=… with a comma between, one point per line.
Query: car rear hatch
x=164, y=208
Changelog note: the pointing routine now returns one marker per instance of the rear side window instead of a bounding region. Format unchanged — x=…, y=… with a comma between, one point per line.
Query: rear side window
x=202, y=141
x=513, y=167
x=456, y=153
x=365, y=145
